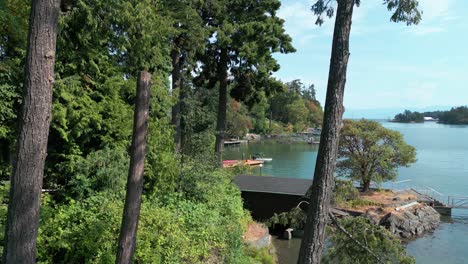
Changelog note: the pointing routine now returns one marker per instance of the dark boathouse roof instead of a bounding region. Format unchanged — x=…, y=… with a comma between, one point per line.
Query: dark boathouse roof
x=264, y=184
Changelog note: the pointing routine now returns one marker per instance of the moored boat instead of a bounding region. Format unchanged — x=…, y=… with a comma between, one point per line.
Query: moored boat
x=234, y=163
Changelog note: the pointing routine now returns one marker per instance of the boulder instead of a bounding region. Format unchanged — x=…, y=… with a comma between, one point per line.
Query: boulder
x=412, y=221
x=253, y=137
x=257, y=235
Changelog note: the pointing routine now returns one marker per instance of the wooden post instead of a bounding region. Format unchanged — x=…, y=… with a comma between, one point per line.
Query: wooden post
x=128, y=231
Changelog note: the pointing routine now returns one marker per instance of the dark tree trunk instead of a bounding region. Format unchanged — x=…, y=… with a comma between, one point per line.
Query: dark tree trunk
x=322, y=186
x=271, y=117
x=31, y=151
x=366, y=185
x=128, y=230
x=176, y=90
x=222, y=104
x=183, y=112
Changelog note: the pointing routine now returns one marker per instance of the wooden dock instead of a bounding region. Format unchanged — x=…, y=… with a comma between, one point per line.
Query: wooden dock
x=440, y=202
x=234, y=142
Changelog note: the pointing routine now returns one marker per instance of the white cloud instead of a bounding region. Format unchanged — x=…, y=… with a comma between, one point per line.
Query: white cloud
x=300, y=21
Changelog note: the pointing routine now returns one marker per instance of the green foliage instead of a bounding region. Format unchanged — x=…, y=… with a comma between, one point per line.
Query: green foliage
x=344, y=192
x=409, y=117
x=4, y=191
x=14, y=17
x=405, y=10
x=101, y=171
x=369, y=152
x=161, y=165
x=456, y=116
x=191, y=212
x=259, y=113
x=295, y=218
x=204, y=221
x=83, y=231
x=297, y=106
x=238, y=121
x=260, y=256
x=359, y=202
x=376, y=238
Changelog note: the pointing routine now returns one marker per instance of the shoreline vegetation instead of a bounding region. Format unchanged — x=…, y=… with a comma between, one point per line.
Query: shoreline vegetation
x=454, y=116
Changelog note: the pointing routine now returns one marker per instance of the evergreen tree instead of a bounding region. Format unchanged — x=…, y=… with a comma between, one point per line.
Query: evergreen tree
x=244, y=35
x=187, y=39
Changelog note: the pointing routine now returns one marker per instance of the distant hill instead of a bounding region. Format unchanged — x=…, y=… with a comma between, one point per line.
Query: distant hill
x=388, y=113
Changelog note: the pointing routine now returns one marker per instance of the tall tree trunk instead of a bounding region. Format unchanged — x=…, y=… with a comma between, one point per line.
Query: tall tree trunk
x=222, y=104
x=28, y=168
x=131, y=214
x=176, y=87
x=271, y=117
x=322, y=186
x=183, y=112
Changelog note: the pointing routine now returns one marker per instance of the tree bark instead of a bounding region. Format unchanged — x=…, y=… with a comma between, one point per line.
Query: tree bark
x=28, y=168
x=222, y=104
x=183, y=112
x=176, y=90
x=366, y=185
x=322, y=186
x=131, y=214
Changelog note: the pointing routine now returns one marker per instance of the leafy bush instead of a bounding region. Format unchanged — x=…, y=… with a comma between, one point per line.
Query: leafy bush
x=203, y=221
x=101, y=171
x=294, y=218
x=260, y=256
x=343, y=192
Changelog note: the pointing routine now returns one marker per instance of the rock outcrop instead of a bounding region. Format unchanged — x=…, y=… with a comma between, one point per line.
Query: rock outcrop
x=410, y=222
x=257, y=235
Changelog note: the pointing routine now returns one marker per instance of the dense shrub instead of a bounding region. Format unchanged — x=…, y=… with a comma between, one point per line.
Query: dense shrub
x=203, y=221
x=343, y=192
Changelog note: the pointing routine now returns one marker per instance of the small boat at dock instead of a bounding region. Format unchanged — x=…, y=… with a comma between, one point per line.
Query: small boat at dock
x=261, y=157
x=249, y=162
x=312, y=141
x=234, y=142
x=264, y=159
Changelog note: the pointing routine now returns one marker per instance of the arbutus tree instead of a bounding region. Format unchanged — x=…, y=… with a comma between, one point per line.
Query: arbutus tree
x=322, y=185
x=370, y=152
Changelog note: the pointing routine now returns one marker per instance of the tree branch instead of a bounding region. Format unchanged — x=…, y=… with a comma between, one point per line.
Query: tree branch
x=332, y=217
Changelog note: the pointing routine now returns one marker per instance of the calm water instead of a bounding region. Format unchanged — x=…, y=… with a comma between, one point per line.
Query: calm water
x=442, y=153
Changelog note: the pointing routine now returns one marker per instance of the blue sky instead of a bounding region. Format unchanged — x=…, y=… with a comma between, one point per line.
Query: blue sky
x=392, y=66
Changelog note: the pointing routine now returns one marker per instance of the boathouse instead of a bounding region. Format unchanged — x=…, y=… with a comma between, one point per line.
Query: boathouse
x=264, y=196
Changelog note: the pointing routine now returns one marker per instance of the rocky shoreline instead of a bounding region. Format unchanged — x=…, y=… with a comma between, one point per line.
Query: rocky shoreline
x=408, y=223
x=400, y=213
